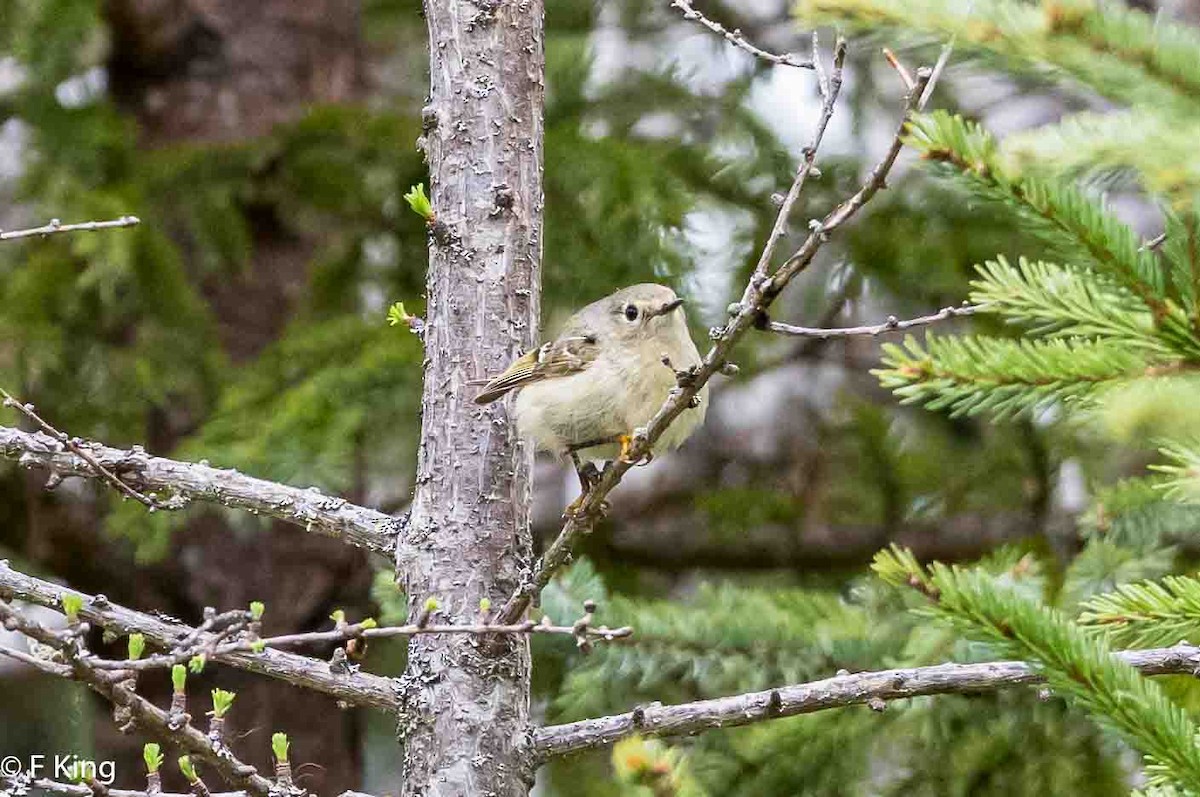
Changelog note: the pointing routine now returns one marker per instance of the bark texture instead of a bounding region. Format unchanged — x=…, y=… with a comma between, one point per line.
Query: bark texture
x=465, y=707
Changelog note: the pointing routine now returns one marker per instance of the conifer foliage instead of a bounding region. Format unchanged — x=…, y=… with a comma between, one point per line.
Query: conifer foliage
x=1093, y=330
x=1108, y=329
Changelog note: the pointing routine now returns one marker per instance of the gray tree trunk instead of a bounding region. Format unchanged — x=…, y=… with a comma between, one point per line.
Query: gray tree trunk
x=465, y=710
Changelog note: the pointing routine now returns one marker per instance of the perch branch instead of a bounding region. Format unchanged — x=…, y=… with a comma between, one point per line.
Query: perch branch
x=310, y=509
x=55, y=226
x=749, y=313
x=874, y=688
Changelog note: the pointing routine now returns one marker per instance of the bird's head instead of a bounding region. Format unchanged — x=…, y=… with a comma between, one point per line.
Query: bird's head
x=642, y=311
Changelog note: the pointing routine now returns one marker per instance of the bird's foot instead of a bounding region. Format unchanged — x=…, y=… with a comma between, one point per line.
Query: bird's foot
x=626, y=456
x=576, y=510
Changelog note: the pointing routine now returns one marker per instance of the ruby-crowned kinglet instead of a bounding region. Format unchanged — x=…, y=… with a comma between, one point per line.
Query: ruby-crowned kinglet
x=584, y=393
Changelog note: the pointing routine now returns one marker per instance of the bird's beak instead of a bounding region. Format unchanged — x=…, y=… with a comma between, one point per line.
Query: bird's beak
x=668, y=307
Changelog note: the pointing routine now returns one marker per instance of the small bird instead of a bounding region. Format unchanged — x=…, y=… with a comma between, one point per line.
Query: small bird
x=607, y=373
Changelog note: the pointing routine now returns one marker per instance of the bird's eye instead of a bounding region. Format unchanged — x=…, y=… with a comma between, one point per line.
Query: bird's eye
x=631, y=312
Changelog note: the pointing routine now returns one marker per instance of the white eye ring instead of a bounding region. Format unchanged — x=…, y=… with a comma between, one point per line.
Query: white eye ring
x=631, y=312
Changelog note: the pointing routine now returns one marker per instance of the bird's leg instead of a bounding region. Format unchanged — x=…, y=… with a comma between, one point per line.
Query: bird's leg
x=626, y=441
x=587, y=472
x=588, y=475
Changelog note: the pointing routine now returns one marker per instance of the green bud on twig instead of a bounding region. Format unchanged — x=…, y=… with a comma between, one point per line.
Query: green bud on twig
x=419, y=202
x=72, y=604
x=430, y=606
x=397, y=315
x=179, y=678
x=256, y=610
x=152, y=755
x=279, y=746
x=222, y=700
x=197, y=662
x=137, y=646
x=189, y=771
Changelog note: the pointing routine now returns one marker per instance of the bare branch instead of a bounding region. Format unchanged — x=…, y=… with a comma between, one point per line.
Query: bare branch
x=747, y=314
x=55, y=226
x=893, y=324
x=353, y=688
x=873, y=688
x=310, y=509
x=736, y=38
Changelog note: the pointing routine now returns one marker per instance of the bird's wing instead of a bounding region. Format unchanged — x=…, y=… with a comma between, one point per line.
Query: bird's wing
x=562, y=357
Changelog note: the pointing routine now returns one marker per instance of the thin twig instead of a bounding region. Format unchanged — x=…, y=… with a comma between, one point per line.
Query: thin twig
x=226, y=622
x=584, y=634
x=943, y=59
x=49, y=667
x=73, y=445
x=875, y=688
x=833, y=310
x=736, y=38
x=747, y=314
x=55, y=226
x=893, y=324
x=876, y=180
x=830, y=87
x=901, y=70
x=1154, y=243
